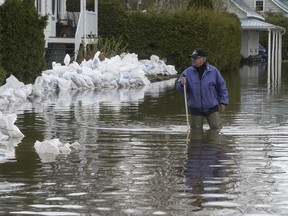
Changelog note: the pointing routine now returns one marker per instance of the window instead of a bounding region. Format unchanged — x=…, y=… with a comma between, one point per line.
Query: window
x=38, y=6
x=53, y=7
x=259, y=5
x=58, y=6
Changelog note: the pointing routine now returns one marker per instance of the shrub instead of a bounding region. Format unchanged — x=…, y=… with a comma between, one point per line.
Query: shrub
x=108, y=47
x=112, y=18
x=22, y=40
x=200, y=4
x=173, y=36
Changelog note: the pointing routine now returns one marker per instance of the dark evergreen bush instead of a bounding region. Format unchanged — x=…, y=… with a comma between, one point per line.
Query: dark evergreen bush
x=2, y=71
x=23, y=42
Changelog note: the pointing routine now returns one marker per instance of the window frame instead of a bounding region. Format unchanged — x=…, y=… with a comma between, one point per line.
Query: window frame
x=259, y=5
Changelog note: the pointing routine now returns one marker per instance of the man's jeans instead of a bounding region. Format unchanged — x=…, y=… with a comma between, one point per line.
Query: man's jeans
x=213, y=119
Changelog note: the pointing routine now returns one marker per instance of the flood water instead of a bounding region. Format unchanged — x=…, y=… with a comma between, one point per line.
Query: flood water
x=134, y=158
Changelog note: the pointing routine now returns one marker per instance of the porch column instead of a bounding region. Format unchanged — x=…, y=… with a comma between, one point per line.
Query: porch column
x=269, y=57
x=274, y=56
x=96, y=11
x=280, y=55
x=83, y=11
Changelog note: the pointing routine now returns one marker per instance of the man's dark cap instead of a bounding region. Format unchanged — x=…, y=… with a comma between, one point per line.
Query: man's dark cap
x=198, y=52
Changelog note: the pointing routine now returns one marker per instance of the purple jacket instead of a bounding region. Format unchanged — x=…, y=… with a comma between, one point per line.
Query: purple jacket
x=206, y=93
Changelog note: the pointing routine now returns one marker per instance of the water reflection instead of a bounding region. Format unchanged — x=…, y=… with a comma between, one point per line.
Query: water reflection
x=205, y=174
x=134, y=159
x=203, y=171
x=201, y=135
x=80, y=111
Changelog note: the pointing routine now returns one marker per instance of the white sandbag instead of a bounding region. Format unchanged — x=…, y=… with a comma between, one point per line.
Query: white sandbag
x=13, y=130
x=65, y=148
x=7, y=126
x=13, y=82
x=108, y=77
x=74, y=66
x=131, y=58
x=171, y=69
x=48, y=146
x=67, y=60
x=21, y=95
x=64, y=84
x=96, y=61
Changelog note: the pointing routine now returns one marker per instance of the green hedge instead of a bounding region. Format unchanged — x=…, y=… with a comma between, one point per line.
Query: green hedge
x=22, y=39
x=175, y=36
x=112, y=18
x=204, y=4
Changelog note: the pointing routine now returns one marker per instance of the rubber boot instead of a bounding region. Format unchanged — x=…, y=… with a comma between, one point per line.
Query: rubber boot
x=214, y=120
x=196, y=121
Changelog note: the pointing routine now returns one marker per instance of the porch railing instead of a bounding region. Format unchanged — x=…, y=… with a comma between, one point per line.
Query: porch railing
x=91, y=28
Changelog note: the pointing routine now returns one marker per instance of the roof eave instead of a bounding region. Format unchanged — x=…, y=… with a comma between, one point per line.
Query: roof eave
x=264, y=29
x=254, y=24
x=280, y=6
x=248, y=14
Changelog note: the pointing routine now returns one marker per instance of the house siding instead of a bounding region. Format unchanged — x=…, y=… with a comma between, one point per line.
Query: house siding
x=249, y=43
x=232, y=9
x=269, y=6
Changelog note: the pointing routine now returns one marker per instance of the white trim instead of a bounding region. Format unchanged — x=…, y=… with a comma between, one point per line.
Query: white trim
x=61, y=40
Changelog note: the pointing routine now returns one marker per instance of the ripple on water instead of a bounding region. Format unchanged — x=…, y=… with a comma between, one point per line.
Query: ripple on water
x=45, y=213
x=135, y=159
x=221, y=204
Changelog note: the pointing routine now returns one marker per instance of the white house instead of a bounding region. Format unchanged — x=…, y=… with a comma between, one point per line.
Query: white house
x=66, y=30
x=252, y=23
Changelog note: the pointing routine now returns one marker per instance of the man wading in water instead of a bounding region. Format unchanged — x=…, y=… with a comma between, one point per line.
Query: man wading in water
x=206, y=91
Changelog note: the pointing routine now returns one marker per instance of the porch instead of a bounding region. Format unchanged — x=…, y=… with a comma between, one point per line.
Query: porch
x=65, y=34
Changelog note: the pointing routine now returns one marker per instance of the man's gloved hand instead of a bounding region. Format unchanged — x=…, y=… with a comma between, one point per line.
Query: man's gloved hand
x=183, y=80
